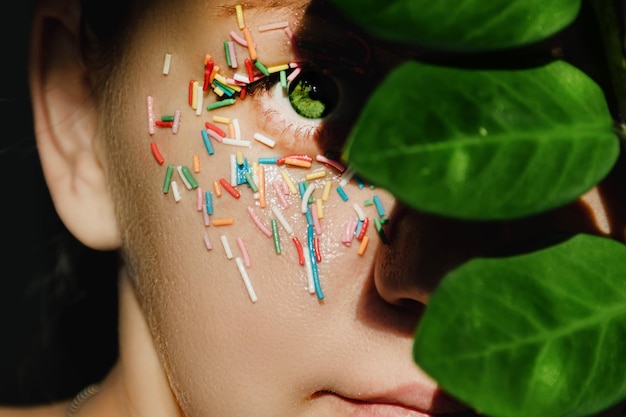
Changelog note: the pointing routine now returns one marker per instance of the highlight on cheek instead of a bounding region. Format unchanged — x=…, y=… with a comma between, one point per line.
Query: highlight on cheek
x=280, y=196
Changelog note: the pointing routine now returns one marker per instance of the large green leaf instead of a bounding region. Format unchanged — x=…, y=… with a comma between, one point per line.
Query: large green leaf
x=465, y=25
x=485, y=144
x=539, y=334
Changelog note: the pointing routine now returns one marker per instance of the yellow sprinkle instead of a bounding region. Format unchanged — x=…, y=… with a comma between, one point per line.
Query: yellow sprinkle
x=194, y=97
x=320, y=208
x=326, y=192
x=240, y=21
x=278, y=68
x=196, y=164
x=224, y=80
x=255, y=168
x=316, y=175
x=239, y=158
x=363, y=245
x=289, y=182
x=221, y=119
x=217, y=90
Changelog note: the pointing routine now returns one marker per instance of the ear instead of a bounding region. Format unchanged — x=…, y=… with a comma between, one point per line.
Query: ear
x=65, y=115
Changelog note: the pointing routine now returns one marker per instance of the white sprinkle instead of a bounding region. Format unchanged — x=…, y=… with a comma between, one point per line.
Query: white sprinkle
x=305, y=197
x=236, y=142
x=346, y=176
x=246, y=279
x=182, y=177
x=227, y=250
x=273, y=26
x=241, y=78
x=151, y=117
x=309, y=271
x=176, y=191
x=264, y=140
x=233, y=169
x=281, y=218
x=359, y=211
x=199, y=104
x=166, y=64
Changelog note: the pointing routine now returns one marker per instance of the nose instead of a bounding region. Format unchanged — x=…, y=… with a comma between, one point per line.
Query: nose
x=421, y=249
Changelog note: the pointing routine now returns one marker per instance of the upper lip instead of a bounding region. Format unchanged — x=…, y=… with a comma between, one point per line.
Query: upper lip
x=415, y=397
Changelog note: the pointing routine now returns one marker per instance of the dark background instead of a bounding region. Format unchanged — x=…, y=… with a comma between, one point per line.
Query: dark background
x=57, y=299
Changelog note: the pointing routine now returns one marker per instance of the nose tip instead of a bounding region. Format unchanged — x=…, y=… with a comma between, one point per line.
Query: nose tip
x=421, y=249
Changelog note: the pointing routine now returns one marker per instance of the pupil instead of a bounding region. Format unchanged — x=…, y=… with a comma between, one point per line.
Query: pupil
x=313, y=95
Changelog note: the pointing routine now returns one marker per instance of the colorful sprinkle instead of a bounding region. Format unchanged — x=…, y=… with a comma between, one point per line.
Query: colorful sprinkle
x=276, y=237
x=264, y=140
x=246, y=279
x=176, y=191
x=168, y=178
x=220, y=104
x=363, y=245
x=229, y=188
x=342, y=193
x=273, y=26
x=244, y=252
x=379, y=206
x=167, y=61
x=228, y=221
x=207, y=242
x=226, y=246
x=282, y=219
x=155, y=152
x=258, y=223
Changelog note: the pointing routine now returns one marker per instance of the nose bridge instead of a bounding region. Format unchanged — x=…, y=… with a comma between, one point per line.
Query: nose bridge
x=421, y=249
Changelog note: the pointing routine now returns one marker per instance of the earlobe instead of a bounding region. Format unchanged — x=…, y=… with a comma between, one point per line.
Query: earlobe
x=66, y=117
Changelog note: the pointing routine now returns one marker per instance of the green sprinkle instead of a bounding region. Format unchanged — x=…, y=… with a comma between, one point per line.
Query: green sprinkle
x=189, y=177
x=229, y=91
x=368, y=203
x=168, y=178
x=167, y=118
x=276, y=237
x=261, y=68
x=283, y=79
x=221, y=103
x=251, y=182
x=227, y=52
x=379, y=228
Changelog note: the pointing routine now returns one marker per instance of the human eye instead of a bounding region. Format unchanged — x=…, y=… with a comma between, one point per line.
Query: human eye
x=315, y=106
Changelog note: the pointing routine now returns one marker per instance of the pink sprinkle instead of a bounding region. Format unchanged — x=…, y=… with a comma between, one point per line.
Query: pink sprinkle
x=176, y=123
x=316, y=220
x=206, y=218
x=281, y=195
x=151, y=117
x=294, y=74
x=335, y=164
x=273, y=26
x=348, y=233
x=257, y=221
x=241, y=41
x=244, y=252
x=215, y=135
x=285, y=187
x=233, y=54
x=199, y=198
x=207, y=243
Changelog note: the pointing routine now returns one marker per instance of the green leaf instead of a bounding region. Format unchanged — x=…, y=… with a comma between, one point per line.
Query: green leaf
x=485, y=144
x=540, y=334
x=462, y=25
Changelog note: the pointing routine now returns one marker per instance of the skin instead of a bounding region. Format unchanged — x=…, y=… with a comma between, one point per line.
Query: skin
x=191, y=341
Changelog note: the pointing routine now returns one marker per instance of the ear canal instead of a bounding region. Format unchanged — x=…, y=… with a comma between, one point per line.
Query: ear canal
x=66, y=118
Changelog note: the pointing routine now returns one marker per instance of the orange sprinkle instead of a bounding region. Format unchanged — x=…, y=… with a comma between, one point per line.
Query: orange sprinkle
x=217, y=188
x=261, y=185
x=196, y=164
x=215, y=70
x=363, y=245
x=251, y=47
x=224, y=222
x=231, y=130
x=297, y=162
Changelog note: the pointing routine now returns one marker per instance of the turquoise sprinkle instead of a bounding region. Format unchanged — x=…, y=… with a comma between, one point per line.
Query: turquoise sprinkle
x=207, y=142
x=342, y=193
x=208, y=197
x=268, y=161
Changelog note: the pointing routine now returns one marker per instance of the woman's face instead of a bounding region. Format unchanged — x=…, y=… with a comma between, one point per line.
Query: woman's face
x=290, y=352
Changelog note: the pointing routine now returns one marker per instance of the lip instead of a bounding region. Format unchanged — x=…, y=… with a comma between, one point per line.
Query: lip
x=406, y=401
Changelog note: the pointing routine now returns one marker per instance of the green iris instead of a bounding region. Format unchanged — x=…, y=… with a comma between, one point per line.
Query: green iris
x=313, y=95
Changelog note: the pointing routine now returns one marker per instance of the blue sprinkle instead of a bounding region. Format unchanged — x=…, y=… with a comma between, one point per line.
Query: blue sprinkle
x=207, y=142
x=379, y=206
x=342, y=193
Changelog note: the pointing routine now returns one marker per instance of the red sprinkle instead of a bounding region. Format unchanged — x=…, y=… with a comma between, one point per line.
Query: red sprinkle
x=191, y=92
x=156, y=153
x=300, y=157
x=215, y=128
x=366, y=222
x=296, y=242
x=316, y=248
x=243, y=93
x=250, y=69
x=161, y=123
x=207, y=80
x=231, y=190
